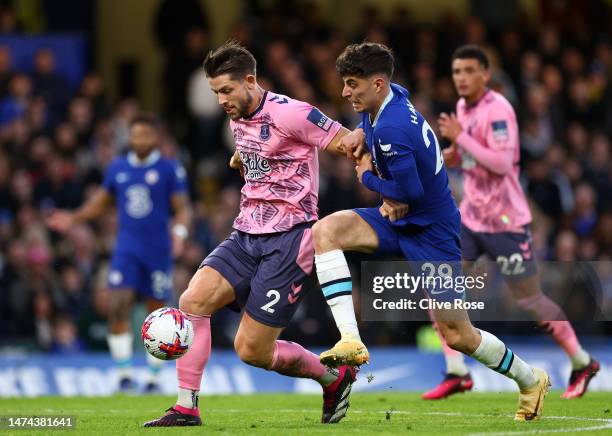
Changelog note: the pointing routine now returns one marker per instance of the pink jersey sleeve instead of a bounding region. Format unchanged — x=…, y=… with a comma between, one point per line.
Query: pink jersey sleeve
x=307, y=124
x=498, y=153
x=498, y=161
x=502, y=129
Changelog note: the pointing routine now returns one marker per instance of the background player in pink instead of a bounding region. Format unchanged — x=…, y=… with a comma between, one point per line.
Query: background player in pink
x=264, y=262
x=495, y=214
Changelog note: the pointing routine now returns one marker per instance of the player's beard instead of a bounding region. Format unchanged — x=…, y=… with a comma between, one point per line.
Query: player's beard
x=247, y=104
x=242, y=108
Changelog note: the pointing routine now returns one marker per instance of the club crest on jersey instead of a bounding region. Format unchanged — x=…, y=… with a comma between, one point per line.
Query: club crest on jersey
x=264, y=132
x=151, y=177
x=255, y=166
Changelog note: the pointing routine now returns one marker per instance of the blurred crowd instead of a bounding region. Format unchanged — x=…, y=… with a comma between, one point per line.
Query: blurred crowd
x=55, y=142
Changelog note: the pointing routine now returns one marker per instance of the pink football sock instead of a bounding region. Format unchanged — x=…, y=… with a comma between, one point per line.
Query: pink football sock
x=295, y=361
x=542, y=308
x=190, y=367
x=563, y=333
x=553, y=320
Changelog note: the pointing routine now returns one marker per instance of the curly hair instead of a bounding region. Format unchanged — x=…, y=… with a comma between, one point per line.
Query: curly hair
x=365, y=59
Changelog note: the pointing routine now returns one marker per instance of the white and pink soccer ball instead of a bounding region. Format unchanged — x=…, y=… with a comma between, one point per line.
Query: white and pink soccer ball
x=167, y=333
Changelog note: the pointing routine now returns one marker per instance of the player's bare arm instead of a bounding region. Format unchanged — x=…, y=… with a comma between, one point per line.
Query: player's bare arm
x=337, y=144
x=235, y=163
x=62, y=220
x=450, y=127
x=451, y=155
x=364, y=164
x=182, y=221
x=354, y=144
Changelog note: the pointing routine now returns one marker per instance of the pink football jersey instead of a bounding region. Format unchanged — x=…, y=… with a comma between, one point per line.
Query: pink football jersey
x=491, y=203
x=278, y=145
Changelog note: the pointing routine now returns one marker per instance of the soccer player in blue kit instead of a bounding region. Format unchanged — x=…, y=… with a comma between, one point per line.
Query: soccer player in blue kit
x=147, y=189
x=404, y=163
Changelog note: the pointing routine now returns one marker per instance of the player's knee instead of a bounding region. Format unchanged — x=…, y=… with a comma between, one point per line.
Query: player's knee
x=251, y=353
x=204, y=296
x=189, y=302
x=323, y=233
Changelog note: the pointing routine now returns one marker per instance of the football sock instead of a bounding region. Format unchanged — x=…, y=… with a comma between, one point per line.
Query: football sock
x=494, y=354
x=190, y=367
x=563, y=333
x=552, y=319
x=293, y=360
x=541, y=307
x=187, y=401
x=121, y=350
x=155, y=366
x=455, y=362
x=335, y=279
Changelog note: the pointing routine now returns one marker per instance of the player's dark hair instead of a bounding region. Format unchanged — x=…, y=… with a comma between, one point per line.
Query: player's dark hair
x=230, y=58
x=470, y=51
x=148, y=119
x=365, y=59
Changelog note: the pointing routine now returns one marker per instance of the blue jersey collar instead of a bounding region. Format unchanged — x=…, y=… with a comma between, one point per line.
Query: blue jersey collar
x=147, y=162
x=388, y=98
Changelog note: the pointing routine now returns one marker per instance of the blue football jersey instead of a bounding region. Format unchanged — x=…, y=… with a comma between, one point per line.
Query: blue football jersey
x=143, y=194
x=400, y=136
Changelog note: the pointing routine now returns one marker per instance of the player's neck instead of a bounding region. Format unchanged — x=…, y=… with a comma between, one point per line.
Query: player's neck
x=258, y=95
x=475, y=98
x=147, y=160
x=380, y=104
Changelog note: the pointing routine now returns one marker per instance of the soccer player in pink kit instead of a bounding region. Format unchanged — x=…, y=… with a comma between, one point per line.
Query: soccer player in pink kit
x=495, y=215
x=262, y=265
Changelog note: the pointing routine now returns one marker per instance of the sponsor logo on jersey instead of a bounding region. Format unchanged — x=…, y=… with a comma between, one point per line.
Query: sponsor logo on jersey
x=138, y=201
x=385, y=147
x=115, y=277
x=319, y=119
x=255, y=166
x=500, y=130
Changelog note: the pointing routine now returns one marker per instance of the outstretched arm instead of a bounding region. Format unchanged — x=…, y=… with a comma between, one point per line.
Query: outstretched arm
x=182, y=222
x=62, y=220
x=351, y=144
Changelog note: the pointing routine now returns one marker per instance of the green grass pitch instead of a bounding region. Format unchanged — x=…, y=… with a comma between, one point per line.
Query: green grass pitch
x=287, y=414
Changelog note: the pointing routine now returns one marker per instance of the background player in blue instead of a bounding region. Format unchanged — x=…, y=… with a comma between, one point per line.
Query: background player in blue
x=147, y=189
x=405, y=153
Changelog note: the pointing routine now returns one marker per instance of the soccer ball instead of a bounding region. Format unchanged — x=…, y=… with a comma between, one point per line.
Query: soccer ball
x=167, y=333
